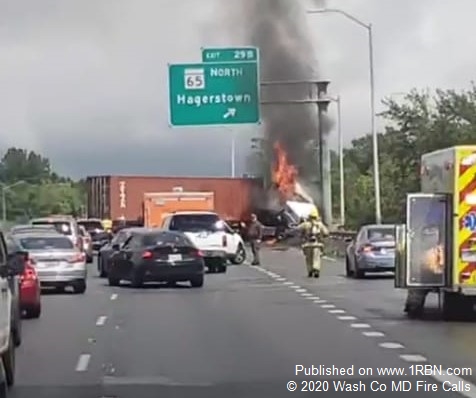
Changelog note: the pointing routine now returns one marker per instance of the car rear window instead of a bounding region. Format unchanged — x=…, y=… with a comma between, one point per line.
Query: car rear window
x=381, y=234
x=196, y=223
x=164, y=239
x=61, y=226
x=95, y=226
x=45, y=243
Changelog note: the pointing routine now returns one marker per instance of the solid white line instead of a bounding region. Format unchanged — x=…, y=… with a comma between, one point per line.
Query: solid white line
x=393, y=346
x=336, y=312
x=373, y=334
x=413, y=358
x=360, y=325
x=328, y=306
x=114, y=296
x=347, y=318
x=83, y=362
x=101, y=320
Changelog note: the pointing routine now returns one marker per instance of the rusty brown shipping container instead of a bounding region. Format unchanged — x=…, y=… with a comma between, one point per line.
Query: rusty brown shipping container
x=113, y=197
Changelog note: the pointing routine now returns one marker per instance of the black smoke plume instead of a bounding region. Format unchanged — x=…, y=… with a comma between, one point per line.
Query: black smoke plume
x=280, y=29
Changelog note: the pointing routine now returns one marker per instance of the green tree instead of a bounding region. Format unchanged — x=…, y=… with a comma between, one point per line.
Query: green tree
x=422, y=123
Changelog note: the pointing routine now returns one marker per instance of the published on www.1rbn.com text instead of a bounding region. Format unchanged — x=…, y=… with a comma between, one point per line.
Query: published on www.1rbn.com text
x=414, y=378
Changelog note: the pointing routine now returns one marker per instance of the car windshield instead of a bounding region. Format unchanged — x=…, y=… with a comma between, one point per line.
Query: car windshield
x=95, y=226
x=197, y=223
x=61, y=226
x=165, y=239
x=45, y=243
x=387, y=233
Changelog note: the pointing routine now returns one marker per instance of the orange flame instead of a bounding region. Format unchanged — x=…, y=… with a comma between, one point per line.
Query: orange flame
x=284, y=174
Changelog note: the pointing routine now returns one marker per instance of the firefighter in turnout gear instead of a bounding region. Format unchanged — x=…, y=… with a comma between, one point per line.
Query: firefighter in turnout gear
x=312, y=232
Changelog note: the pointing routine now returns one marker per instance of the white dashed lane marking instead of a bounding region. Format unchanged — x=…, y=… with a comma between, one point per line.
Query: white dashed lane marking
x=101, y=320
x=83, y=362
x=373, y=334
x=393, y=346
x=360, y=325
x=413, y=357
x=114, y=296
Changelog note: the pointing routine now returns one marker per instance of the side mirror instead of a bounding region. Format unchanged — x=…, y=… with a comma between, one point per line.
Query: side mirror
x=16, y=262
x=116, y=247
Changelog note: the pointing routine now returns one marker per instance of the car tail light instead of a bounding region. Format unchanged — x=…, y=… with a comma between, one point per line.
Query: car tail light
x=77, y=258
x=147, y=255
x=29, y=274
x=367, y=248
x=223, y=240
x=198, y=253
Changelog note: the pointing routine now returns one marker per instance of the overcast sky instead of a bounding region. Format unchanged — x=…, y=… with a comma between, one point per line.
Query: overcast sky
x=85, y=81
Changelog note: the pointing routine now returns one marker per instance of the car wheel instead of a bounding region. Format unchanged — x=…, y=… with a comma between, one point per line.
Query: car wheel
x=101, y=267
x=8, y=360
x=197, y=281
x=348, y=271
x=113, y=281
x=79, y=287
x=136, y=280
x=240, y=256
x=33, y=312
x=221, y=269
x=359, y=274
x=17, y=329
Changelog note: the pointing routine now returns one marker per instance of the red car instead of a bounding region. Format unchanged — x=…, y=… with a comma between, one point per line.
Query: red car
x=30, y=291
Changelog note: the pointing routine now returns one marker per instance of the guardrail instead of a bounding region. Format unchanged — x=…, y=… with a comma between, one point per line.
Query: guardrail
x=337, y=242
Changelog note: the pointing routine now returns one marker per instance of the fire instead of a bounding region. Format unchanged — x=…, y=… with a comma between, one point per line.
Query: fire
x=284, y=174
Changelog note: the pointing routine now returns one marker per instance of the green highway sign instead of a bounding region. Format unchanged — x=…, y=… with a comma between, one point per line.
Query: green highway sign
x=223, y=93
x=230, y=54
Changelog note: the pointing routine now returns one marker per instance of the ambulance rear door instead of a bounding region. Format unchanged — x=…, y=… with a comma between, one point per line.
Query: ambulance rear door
x=424, y=244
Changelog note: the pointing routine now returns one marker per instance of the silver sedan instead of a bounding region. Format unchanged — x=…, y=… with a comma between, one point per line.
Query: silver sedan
x=372, y=250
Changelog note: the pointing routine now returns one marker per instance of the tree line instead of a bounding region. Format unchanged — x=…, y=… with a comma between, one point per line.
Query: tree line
x=33, y=189
x=422, y=121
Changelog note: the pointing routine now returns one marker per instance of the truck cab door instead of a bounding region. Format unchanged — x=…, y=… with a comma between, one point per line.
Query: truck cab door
x=424, y=245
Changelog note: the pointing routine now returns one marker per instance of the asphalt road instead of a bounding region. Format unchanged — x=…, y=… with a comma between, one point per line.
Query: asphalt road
x=241, y=335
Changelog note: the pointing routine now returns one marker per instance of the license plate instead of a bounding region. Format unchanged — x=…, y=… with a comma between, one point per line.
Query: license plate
x=175, y=257
x=50, y=264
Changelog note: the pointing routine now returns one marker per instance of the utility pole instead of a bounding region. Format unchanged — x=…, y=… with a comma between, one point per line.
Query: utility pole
x=324, y=153
x=375, y=150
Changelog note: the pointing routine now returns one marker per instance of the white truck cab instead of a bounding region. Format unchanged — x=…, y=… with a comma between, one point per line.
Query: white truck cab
x=10, y=266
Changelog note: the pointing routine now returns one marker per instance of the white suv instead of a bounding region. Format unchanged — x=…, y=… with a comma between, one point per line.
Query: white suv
x=211, y=235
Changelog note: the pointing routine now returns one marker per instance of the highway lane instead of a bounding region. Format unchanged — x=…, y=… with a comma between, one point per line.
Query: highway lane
x=374, y=300
x=241, y=335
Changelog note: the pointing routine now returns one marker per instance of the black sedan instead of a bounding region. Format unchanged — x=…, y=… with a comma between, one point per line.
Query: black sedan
x=151, y=255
